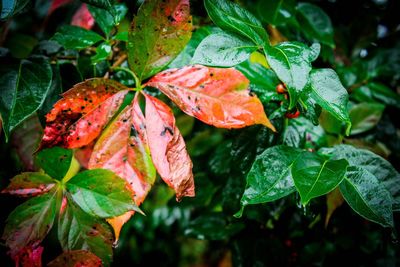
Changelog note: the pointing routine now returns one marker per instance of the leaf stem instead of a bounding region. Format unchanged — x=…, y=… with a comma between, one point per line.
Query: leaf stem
x=137, y=81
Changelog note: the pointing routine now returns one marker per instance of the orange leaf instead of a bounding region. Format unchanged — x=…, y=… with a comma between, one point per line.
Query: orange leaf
x=79, y=117
x=123, y=149
x=167, y=147
x=218, y=97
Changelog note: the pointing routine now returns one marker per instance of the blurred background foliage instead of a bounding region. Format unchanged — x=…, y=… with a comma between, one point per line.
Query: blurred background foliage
x=363, y=46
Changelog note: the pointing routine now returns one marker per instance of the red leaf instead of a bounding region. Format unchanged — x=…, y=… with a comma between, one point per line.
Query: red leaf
x=167, y=148
x=80, y=116
x=29, y=257
x=218, y=97
x=83, y=155
x=56, y=4
x=83, y=18
x=76, y=258
x=28, y=184
x=123, y=148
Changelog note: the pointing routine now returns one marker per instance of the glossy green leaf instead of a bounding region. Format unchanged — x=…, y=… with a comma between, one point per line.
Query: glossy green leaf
x=270, y=176
x=30, y=222
x=105, y=19
x=103, y=51
x=367, y=196
x=23, y=89
x=329, y=93
x=101, y=193
x=78, y=230
x=376, y=92
x=302, y=133
x=222, y=50
x=9, y=8
x=29, y=184
x=315, y=23
x=277, y=12
x=263, y=81
x=291, y=61
x=365, y=116
x=185, y=56
x=373, y=164
x=158, y=33
x=76, y=258
x=55, y=161
x=315, y=176
x=73, y=37
x=232, y=17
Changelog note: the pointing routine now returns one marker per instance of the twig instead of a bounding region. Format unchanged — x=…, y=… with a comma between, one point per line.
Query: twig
x=119, y=61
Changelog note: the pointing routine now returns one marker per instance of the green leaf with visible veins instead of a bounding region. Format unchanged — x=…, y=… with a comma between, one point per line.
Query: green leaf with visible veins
x=73, y=37
x=159, y=31
x=270, y=177
x=315, y=23
x=54, y=161
x=291, y=61
x=315, y=176
x=232, y=17
x=78, y=230
x=367, y=196
x=30, y=222
x=328, y=92
x=105, y=19
x=101, y=193
x=223, y=50
x=373, y=164
x=23, y=89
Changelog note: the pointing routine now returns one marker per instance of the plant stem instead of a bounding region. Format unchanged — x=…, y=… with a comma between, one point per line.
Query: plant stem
x=137, y=81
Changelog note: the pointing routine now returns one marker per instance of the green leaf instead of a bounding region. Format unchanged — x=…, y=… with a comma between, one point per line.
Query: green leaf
x=103, y=51
x=54, y=161
x=30, y=222
x=373, y=164
x=157, y=36
x=23, y=89
x=263, y=81
x=9, y=8
x=300, y=132
x=185, y=56
x=29, y=184
x=105, y=19
x=376, y=92
x=365, y=116
x=367, y=196
x=73, y=37
x=291, y=61
x=315, y=23
x=315, y=176
x=232, y=17
x=270, y=177
x=101, y=193
x=330, y=94
x=222, y=50
x=105, y=4
x=277, y=12
x=78, y=230
x=212, y=227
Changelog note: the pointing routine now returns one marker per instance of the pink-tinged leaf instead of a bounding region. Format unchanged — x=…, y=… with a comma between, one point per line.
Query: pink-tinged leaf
x=29, y=184
x=83, y=18
x=219, y=97
x=83, y=155
x=29, y=257
x=159, y=32
x=76, y=258
x=25, y=139
x=56, y=4
x=167, y=148
x=123, y=149
x=79, y=117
